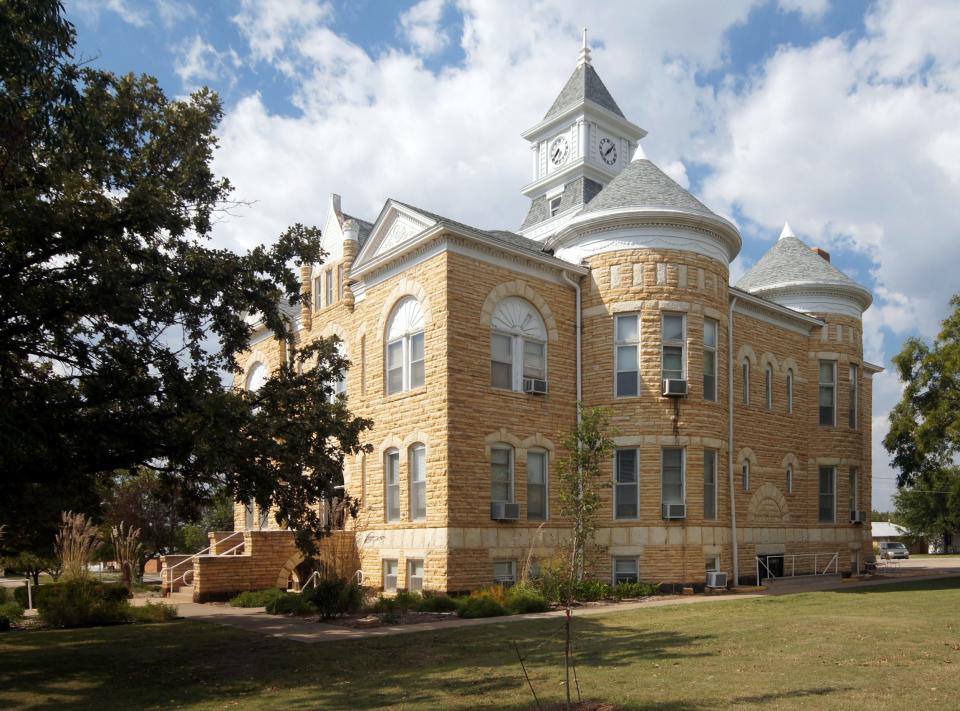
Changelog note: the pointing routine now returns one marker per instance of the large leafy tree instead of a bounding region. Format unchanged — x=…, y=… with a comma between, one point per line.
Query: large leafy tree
x=924, y=436
x=119, y=319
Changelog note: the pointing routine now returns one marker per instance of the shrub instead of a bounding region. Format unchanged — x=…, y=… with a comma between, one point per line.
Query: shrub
x=497, y=593
x=408, y=600
x=152, y=612
x=433, y=602
x=622, y=590
x=479, y=606
x=82, y=603
x=289, y=604
x=388, y=606
x=591, y=590
x=333, y=597
x=10, y=612
x=256, y=598
x=522, y=599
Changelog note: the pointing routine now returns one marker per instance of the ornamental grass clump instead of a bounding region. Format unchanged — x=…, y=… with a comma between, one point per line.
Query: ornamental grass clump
x=75, y=544
x=126, y=549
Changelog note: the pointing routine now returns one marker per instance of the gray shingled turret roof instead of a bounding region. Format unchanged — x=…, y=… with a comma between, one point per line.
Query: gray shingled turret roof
x=791, y=262
x=583, y=84
x=642, y=184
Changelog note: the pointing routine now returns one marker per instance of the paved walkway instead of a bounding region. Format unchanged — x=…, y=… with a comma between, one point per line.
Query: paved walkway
x=298, y=629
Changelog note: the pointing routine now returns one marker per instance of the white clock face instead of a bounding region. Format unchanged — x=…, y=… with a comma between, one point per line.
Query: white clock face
x=608, y=151
x=558, y=150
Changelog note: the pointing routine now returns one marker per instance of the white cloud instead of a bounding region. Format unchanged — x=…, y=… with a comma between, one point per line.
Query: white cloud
x=808, y=9
x=92, y=9
x=421, y=27
x=173, y=12
x=196, y=62
x=269, y=25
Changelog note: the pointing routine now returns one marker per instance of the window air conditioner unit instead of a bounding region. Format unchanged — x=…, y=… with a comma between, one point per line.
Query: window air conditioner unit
x=716, y=579
x=858, y=516
x=537, y=386
x=674, y=388
x=503, y=511
x=674, y=510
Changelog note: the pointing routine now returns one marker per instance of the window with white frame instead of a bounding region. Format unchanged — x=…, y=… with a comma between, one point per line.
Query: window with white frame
x=626, y=484
x=405, y=347
x=501, y=474
x=505, y=572
x=710, y=330
x=418, y=482
x=518, y=344
x=672, y=479
x=854, y=494
x=318, y=291
x=745, y=474
x=712, y=563
x=537, y=478
x=673, y=337
x=626, y=570
x=341, y=277
x=253, y=521
x=391, y=469
x=745, y=375
x=414, y=574
x=627, y=337
x=554, y=205
x=828, y=393
x=789, y=478
x=768, y=385
x=534, y=568
x=340, y=384
x=854, y=396
x=390, y=568
x=256, y=377
x=710, y=484
x=328, y=282
x=790, y=391
x=827, y=494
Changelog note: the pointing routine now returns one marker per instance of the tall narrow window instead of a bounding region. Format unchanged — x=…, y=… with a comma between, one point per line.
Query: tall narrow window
x=854, y=395
x=789, y=478
x=415, y=574
x=745, y=374
x=340, y=282
x=671, y=476
x=710, y=484
x=418, y=482
x=537, y=485
x=768, y=385
x=828, y=393
x=501, y=474
x=405, y=347
x=391, y=468
x=674, y=342
x=256, y=377
x=554, y=206
x=318, y=292
x=628, y=355
x=518, y=346
x=390, y=568
x=710, y=328
x=329, y=286
x=854, y=492
x=828, y=490
x=790, y=392
x=340, y=384
x=363, y=364
x=745, y=475
x=626, y=488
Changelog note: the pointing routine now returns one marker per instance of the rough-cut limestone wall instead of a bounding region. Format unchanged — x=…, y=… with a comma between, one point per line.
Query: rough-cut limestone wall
x=268, y=559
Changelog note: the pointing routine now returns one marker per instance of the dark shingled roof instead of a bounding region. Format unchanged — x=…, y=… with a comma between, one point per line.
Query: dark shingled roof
x=584, y=83
x=790, y=261
x=508, y=238
x=642, y=184
x=365, y=227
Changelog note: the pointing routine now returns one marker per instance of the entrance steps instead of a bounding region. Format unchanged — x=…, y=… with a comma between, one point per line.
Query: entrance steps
x=801, y=583
x=183, y=594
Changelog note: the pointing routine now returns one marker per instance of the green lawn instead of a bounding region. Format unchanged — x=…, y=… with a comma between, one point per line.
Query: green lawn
x=888, y=647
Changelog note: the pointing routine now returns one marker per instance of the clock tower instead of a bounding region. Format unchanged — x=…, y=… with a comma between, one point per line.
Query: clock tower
x=582, y=143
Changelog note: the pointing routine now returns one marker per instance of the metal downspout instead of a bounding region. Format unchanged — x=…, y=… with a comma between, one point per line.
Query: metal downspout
x=575, y=283
x=733, y=493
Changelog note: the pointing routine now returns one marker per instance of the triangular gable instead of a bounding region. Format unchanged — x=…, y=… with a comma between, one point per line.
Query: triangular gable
x=396, y=224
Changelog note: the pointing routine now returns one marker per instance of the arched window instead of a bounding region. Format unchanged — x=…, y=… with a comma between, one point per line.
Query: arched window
x=405, y=348
x=518, y=345
x=340, y=384
x=768, y=385
x=745, y=368
x=256, y=377
x=391, y=480
x=418, y=482
x=745, y=472
x=790, y=392
x=789, y=478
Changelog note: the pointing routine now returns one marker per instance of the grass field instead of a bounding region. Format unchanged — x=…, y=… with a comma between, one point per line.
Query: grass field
x=887, y=647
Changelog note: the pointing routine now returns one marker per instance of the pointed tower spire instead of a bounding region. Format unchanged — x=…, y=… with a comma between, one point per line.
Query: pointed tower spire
x=786, y=231
x=584, y=51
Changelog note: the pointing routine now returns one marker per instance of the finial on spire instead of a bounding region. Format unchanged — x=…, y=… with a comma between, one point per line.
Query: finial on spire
x=786, y=231
x=639, y=154
x=584, y=51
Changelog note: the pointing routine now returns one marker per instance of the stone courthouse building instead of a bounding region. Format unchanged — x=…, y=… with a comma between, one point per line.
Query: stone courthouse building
x=742, y=413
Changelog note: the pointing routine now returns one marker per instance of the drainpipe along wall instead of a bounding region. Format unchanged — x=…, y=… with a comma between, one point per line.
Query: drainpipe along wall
x=733, y=493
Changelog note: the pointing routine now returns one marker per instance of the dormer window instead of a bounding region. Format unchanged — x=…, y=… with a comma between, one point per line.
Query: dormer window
x=555, y=205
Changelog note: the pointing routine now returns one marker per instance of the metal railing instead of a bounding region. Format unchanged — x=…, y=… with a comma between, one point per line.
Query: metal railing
x=312, y=580
x=170, y=580
x=826, y=560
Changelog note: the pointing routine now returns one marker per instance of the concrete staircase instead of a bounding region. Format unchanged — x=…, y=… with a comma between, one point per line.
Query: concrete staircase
x=802, y=583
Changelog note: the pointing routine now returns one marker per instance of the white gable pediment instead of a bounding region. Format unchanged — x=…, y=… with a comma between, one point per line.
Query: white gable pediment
x=397, y=224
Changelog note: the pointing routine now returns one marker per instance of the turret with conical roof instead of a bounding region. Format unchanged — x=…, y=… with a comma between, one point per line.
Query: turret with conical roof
x=794, y=275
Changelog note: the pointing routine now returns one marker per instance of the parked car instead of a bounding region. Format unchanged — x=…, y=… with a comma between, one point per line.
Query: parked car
x=893, y=550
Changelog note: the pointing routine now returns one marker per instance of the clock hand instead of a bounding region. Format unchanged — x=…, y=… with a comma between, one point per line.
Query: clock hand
x=607, y=152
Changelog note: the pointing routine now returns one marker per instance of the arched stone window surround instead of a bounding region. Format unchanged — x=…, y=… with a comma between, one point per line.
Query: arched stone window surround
x=504, y=436
x=517, y=326
x=790, y=460
x=405, y=330
x=343, y=348
x=404, y=288
x=524, y=291
x=768, y=504
x=255, y=358
x=746, y=356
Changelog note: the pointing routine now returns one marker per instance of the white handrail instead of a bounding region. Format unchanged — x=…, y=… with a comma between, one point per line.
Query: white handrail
x=169, y=570
x=832, y=562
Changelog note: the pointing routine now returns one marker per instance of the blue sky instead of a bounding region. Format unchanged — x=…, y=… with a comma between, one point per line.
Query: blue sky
x=842, y=117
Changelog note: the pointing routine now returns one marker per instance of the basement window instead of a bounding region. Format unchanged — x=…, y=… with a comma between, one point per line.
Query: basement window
x=625, y=570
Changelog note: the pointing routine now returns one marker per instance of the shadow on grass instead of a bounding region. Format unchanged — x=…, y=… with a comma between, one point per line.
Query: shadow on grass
x=186, y=663
x=792, y=694
x=946, y=583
